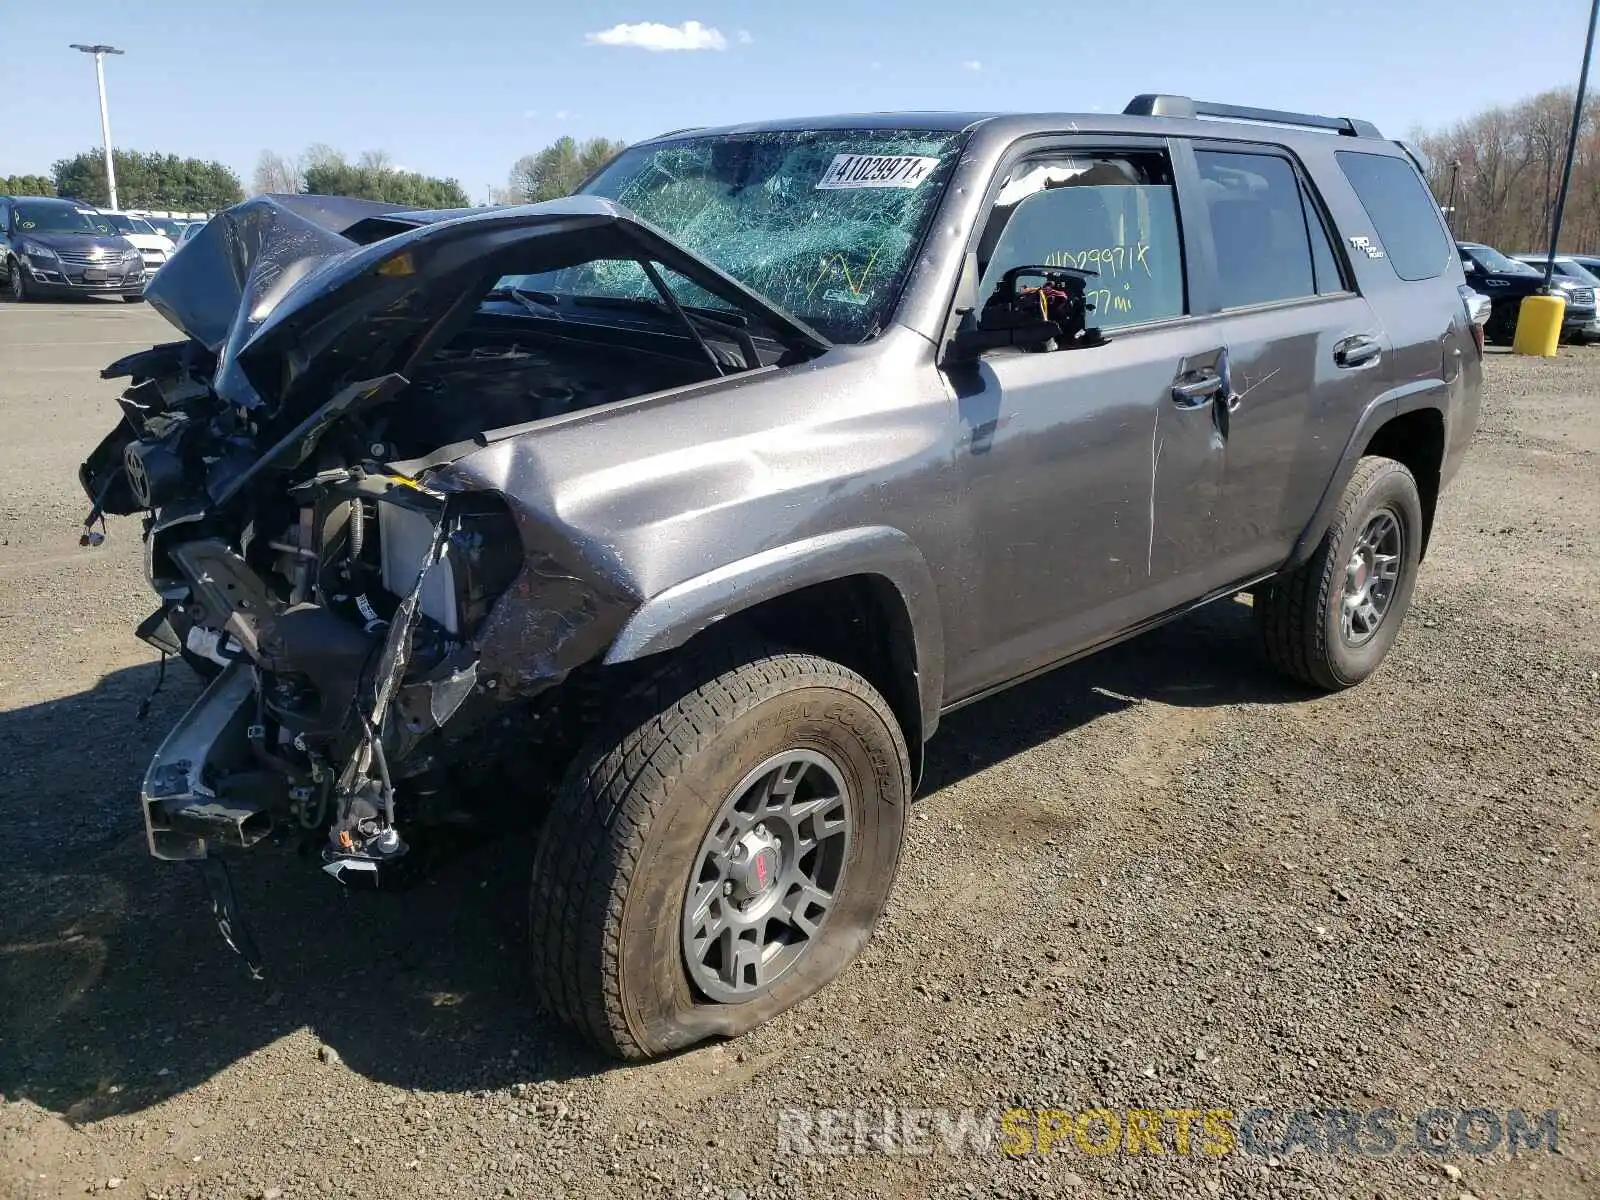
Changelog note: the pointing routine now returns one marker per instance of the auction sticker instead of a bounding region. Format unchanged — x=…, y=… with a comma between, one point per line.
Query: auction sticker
x=876, y=171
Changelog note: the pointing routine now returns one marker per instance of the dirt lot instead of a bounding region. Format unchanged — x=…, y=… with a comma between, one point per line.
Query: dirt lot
x=1157, y=879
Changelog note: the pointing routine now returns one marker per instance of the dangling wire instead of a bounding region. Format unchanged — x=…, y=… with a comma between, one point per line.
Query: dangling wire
x=161, y=677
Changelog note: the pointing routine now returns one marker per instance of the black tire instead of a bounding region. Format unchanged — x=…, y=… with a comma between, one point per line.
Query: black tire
x=139, y=299
x=1299, y=614
x=1501, y=329
x=17, y=282
x=611, y=872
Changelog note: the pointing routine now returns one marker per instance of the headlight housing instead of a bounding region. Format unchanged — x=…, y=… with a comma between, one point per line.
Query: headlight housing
x=132, y=256
x=35, y=250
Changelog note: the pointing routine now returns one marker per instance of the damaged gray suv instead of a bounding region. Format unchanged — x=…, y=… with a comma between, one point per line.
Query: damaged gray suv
x=680, y=510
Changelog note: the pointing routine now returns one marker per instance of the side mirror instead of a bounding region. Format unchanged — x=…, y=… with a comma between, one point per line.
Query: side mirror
x=1053, y=315
x=970, y=344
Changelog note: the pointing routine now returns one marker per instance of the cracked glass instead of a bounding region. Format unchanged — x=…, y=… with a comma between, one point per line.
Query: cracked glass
x=823, y=223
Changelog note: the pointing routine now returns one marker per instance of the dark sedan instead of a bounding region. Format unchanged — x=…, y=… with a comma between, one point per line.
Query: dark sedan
x=52, y=247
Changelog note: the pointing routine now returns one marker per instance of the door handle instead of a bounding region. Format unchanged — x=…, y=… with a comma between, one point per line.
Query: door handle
x=1197, y=392
x=1358, y=351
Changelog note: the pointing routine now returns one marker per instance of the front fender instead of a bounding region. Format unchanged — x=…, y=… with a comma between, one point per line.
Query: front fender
x=670, y=618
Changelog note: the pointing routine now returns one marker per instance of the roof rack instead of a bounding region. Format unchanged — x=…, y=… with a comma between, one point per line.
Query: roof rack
x=1158, y=105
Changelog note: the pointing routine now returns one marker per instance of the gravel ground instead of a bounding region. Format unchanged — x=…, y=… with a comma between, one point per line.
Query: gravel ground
x=1157, y=879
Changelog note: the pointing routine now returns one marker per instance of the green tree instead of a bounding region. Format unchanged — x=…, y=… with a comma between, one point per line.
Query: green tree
x=144, y=180
x=325, y=172
x=27, y=185
x=560, y=168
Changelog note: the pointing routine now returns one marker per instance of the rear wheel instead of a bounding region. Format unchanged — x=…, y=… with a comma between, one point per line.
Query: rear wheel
x=1331, y=621
x=721, y=852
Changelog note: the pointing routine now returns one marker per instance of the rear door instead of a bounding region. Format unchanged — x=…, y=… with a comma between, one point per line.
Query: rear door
x=1305, y=353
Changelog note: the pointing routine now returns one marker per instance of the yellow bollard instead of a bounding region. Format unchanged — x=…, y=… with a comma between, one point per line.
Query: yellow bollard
x=1539, y=325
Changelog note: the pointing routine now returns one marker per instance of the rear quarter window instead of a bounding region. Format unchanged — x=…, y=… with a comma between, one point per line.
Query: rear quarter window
x=1402, y=211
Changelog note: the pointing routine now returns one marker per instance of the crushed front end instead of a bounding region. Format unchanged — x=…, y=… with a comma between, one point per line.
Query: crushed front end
x=383, y=623
x=335, y=603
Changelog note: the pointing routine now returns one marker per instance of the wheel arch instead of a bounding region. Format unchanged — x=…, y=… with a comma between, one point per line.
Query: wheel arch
x=1410, y=428
x=862, y=597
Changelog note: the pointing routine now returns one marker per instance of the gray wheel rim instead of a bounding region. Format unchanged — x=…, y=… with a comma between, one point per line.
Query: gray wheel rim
x=1371, y=577
x=767, y=875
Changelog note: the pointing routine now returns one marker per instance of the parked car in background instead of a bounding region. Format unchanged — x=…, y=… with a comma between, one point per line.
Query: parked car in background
x=1567, y=270
x=167, y=227
x=1508, y=281
x=155, y=247
x=52, y=247
x=188, y=232
x=1589, y=262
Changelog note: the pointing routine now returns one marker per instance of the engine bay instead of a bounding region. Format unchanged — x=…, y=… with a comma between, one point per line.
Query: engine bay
x=335, y=596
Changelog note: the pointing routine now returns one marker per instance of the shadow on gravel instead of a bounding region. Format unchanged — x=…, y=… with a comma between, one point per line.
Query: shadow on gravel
x=1208, y=658
x=117, y=991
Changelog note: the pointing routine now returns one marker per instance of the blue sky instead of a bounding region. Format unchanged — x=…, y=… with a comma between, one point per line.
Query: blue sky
x=463, y=87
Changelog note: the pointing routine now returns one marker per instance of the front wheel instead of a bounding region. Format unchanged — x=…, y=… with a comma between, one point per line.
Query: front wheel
x=721, y=852
x=17, y=282
x=139, y=299
x=1331, y=621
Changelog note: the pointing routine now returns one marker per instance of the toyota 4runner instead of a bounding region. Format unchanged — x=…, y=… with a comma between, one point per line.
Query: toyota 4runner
x=702, y=495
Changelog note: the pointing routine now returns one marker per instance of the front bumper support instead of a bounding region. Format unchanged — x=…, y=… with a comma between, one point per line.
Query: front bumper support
x=183, y=807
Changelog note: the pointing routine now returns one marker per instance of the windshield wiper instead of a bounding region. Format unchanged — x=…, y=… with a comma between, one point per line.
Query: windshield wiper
x=723, y=316
x=538, y=304
x=698, y=319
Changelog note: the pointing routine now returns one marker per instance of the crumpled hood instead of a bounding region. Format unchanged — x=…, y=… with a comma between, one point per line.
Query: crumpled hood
x=292, y=293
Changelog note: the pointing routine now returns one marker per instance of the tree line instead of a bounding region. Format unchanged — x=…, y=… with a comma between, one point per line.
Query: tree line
x=167, y=182
x=1499, y=170
x=323, y=171
x=27, y=185
x=159, y=181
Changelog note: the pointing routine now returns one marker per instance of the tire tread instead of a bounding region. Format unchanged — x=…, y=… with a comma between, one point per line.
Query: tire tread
x=1289, y=610
x=598, y=823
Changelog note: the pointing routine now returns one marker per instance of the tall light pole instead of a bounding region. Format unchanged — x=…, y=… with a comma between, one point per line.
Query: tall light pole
x=1572, y=145
x=100, y=53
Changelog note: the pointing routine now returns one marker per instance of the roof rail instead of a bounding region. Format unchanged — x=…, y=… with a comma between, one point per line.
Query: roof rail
x=1158, y=105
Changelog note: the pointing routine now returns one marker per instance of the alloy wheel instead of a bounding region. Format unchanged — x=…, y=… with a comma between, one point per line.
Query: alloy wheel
x=1371, y=578
x=766, y=875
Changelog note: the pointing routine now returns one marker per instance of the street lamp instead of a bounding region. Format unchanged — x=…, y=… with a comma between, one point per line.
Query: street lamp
x=100, y=53
x=1572, y=145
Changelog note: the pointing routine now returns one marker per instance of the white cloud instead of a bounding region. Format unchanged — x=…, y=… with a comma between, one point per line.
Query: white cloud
x=562, y=114
x=876, y=65
x=744, y=38
x=530, y=113
x=652, y=35
x=972, y=64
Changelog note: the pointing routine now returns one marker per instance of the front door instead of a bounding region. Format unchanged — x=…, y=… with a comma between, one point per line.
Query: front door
x=1090, y=474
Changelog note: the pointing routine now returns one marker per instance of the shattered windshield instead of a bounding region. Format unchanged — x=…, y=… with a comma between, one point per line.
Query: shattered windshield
x=824, y=223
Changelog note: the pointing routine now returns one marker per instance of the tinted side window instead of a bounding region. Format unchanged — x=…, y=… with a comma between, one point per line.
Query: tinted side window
x=1402, y=211
x=1110, y=213
x=1258, y=226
